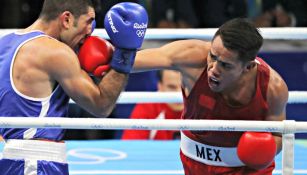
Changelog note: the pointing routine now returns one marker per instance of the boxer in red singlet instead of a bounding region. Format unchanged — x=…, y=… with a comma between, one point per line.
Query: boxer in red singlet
x=224, y=79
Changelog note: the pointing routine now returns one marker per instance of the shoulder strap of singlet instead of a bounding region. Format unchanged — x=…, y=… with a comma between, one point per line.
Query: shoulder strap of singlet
x=264, y=76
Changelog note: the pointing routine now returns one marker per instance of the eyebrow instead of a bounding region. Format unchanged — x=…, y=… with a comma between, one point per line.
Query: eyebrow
x=217, y=58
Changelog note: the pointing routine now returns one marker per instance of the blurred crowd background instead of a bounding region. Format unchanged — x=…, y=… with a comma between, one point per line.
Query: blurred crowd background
x=179, y=13
x=289, y=58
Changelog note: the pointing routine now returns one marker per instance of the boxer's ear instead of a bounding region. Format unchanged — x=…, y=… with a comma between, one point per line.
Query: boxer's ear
x=249, y=66
x=66, y=19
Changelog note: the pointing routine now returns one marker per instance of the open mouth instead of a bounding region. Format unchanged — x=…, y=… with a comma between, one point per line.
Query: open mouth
x=214, y=82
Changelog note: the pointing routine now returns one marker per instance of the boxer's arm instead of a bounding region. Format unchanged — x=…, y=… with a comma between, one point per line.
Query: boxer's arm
x=255, y=149
x=175, y=55
x=63, y=66
x=277, y=97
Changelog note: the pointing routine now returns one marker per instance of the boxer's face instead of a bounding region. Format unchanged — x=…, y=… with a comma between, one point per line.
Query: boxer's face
x=224, y=68
x=79, y=29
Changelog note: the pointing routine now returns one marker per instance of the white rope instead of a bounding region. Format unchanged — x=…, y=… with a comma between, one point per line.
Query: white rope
x=150, y=97
x=207, y=34
x=158, y=34
x=151, y=124
x=295, y=97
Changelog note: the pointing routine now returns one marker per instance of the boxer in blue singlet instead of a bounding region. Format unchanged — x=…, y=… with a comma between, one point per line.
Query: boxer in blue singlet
x=39, y=71
x=15, y=103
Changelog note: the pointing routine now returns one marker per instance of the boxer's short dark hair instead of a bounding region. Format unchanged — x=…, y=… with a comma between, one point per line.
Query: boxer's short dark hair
x=242, y=36
x=52, y=8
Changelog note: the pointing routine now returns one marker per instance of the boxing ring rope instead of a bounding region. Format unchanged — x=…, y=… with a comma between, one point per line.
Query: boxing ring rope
x=295, y=97
x=207, y=34
x=287, y=33
x=286, y=127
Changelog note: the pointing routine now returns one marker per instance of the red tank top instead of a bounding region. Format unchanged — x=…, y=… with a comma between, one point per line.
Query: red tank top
x=202, y=103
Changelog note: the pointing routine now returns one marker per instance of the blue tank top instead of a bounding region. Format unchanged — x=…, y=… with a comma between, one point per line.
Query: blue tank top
x=15, y=104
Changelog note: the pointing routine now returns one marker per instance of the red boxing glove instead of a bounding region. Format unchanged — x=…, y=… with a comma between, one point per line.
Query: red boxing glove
x=257, y=149
x=95, y=55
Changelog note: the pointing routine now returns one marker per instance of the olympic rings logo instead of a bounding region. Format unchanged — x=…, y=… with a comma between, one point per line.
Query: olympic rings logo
x=140, y=33
x=91, y=156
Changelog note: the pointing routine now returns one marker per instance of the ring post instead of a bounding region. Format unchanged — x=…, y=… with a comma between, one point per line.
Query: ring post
x=288, y=139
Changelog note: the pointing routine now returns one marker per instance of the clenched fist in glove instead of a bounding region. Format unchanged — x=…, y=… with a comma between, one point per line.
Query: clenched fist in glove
x=257, y=149
x=126, y=24
x=95, y=55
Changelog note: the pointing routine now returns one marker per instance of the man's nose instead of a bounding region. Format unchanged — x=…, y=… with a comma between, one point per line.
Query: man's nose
x=215, y=69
